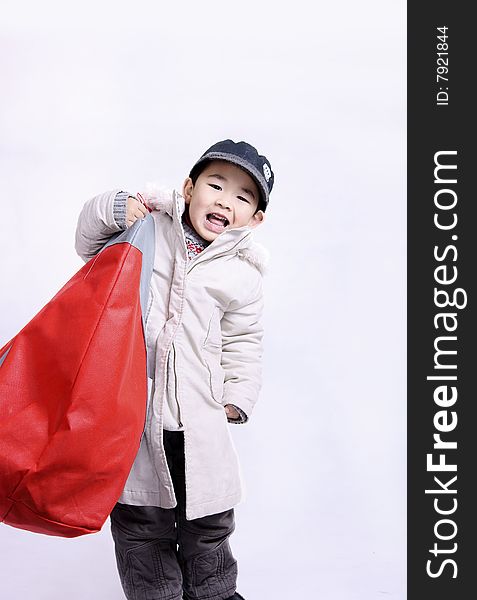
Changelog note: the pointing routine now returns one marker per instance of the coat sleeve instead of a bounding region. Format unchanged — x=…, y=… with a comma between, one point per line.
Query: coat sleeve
x=100, y=218
x=242, y=349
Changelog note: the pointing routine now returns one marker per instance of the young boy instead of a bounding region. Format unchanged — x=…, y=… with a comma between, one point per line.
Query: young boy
x=203, y=337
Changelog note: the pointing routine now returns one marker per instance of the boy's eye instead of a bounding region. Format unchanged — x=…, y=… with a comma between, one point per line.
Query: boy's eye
x=215, y=186
x=244, y=199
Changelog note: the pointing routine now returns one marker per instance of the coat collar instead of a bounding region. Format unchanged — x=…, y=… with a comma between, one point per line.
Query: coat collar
x=239, y=240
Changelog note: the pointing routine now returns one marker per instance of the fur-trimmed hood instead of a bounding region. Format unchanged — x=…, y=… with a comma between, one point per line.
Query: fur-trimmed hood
x=161, y=198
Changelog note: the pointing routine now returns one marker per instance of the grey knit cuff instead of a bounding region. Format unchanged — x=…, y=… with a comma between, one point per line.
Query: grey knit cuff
x=119, y=209
x=243, y=417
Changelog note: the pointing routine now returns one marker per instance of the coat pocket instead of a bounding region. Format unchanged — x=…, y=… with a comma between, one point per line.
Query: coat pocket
x=212, y=352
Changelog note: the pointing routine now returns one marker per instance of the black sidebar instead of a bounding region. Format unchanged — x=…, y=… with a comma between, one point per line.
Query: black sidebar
x=442, y=335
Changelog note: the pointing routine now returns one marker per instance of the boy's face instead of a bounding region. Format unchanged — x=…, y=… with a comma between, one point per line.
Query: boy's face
x=223, y=197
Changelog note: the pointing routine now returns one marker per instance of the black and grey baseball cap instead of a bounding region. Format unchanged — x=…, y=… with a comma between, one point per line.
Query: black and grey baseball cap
x=245, y=156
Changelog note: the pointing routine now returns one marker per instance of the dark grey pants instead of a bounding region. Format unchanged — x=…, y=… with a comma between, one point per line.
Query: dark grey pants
x=162, y=556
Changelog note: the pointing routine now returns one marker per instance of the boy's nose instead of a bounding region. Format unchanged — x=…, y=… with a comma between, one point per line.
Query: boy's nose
x=223, y=202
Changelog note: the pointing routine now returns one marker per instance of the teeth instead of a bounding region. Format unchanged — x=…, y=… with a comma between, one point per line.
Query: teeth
x=220, y=217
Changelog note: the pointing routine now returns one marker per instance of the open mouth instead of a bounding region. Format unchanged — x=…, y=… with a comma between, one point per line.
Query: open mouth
x=216, y=222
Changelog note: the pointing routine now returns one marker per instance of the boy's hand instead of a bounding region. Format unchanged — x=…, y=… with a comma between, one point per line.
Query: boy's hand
x=232, y=412
x=134, y=210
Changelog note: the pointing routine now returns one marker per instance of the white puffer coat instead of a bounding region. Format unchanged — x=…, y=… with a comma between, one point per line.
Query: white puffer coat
x=204, y=319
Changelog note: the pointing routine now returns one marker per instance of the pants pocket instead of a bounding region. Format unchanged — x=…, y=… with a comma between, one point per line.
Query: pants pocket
x=149, y=571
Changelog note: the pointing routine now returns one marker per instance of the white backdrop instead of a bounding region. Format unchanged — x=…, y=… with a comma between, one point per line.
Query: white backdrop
x=99, y=95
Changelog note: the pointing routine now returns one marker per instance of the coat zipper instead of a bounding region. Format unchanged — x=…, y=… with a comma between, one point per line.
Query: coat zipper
x=200, y=258
x=175, y=384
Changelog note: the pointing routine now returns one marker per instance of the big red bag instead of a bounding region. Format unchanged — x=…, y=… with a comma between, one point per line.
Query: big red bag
x=73, y=394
